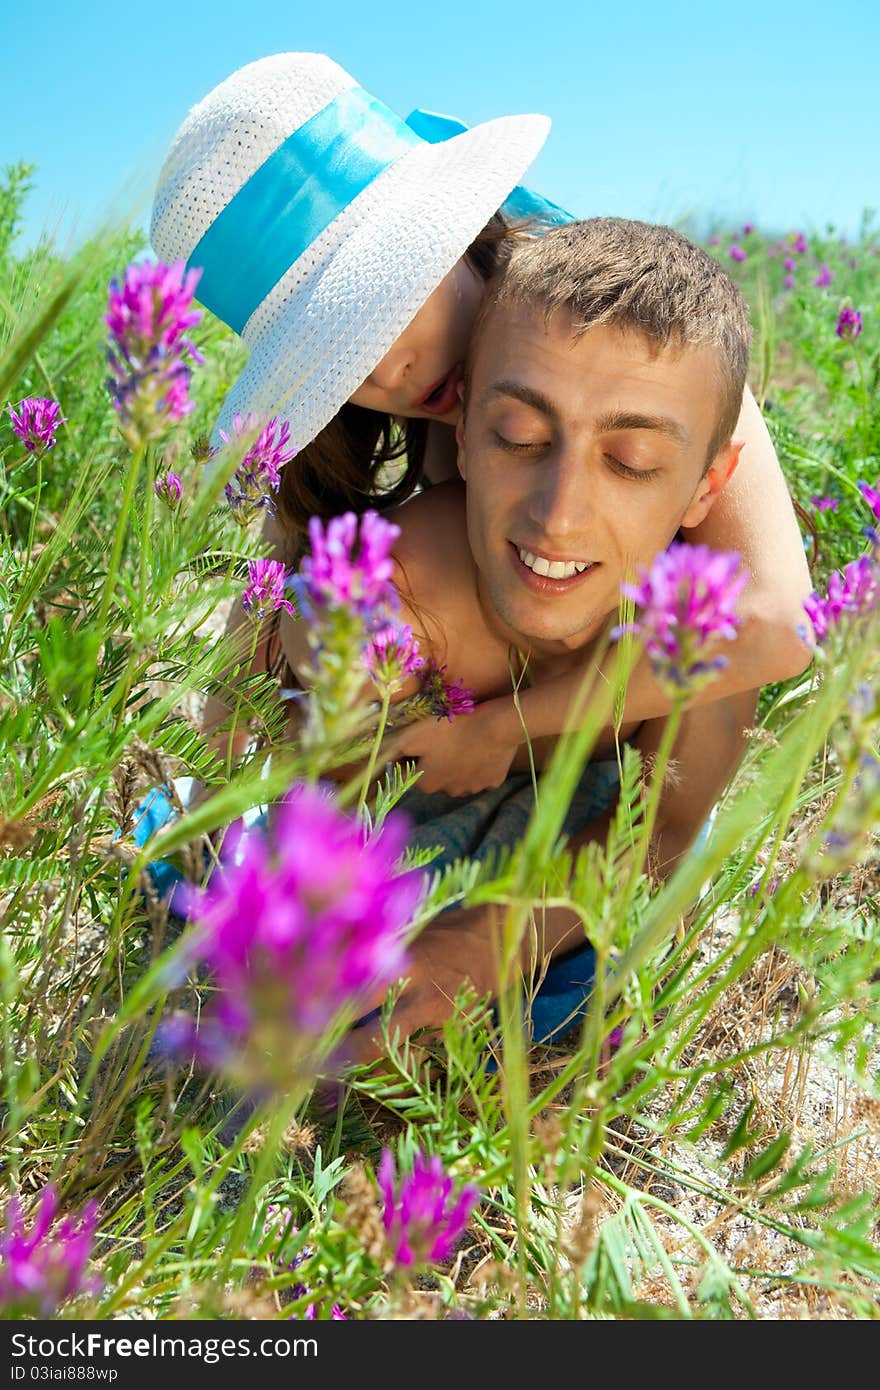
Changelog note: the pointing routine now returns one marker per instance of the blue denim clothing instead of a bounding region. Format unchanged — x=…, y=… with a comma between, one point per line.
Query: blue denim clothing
x=473, y=827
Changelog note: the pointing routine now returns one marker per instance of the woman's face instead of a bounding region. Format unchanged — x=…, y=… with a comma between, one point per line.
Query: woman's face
x=420, y=375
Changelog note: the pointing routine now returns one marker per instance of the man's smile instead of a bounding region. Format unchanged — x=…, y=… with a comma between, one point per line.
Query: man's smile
x=550, y=574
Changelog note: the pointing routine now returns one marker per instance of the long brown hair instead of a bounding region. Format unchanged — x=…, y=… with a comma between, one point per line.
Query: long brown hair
x=359, y=458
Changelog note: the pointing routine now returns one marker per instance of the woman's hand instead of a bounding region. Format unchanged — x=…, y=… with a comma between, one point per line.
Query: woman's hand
x=461, y=758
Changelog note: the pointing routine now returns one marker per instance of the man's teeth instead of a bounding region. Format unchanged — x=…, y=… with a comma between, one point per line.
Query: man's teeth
x=553, y=569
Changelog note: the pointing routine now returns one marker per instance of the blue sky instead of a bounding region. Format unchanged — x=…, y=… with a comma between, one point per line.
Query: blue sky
x=766, y=112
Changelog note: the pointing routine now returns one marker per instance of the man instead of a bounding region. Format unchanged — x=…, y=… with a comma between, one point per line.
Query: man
x=603, y=385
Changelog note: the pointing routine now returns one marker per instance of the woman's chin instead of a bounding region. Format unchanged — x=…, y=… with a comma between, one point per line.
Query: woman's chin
x=451, y=417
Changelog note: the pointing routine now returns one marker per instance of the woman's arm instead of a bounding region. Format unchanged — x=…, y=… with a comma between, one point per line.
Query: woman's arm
x=754, y=515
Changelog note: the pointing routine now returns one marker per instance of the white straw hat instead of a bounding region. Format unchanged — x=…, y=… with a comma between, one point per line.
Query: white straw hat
x=322, y=223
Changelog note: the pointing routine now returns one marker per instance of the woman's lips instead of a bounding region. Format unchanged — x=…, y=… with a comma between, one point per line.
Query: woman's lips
x=443, y=395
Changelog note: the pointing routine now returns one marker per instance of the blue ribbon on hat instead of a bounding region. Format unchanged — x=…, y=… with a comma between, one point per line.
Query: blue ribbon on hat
x=522, y=203
x=303, y=186
x=292, y=197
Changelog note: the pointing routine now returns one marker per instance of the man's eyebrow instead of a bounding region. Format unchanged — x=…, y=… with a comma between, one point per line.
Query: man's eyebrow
x=610, y=421
x=632, y=420
x=526, y=394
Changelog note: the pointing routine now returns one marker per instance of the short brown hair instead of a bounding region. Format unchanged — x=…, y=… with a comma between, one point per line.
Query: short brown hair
x=637, y=276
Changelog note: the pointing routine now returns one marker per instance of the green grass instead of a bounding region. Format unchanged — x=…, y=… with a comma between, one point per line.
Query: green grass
x=612, y=1184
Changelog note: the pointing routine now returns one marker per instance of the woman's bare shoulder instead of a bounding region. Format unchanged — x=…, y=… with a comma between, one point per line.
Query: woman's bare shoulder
x=433, y=544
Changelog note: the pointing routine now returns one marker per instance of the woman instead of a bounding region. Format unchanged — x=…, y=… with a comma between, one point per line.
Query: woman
x=350, y=253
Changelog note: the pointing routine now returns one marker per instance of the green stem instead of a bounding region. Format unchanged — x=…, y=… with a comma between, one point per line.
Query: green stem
x=515, y=1083
x=374, y=751
x=593, y=1035
x=8, y=982
x=787, y=807
x=588, y=1057
x=144, y=579
x=866, y=406
x=255, y=637
x=149, y=499
x=32, y=528
x=119, y=536
x=266, y=1158
x=658, y=777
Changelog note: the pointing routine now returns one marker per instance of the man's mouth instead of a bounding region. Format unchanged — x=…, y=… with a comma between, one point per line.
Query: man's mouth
x=550, y=574
x=553, y=569
x=442, y=397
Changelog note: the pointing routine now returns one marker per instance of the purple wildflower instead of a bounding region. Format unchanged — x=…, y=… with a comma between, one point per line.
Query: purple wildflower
x=391, y=655
x=336, y=1313
x=799, y=242
x=823, y=279
x=862, y=584
x=350, y=565
x=849, y=323
x=264, y=593
x=790, y=263
x=148, y=316
x=748, y=228
x=771, y=887
x=615, y=1038
x=714, y=241
x=864, y=703
x=36, y=423
x=346, y=594
x=169, y=489
x=855, y=819
x=422, y=1218
x=825, y=504
x=854, y=592
x=688, y=599
x=446, y=699
x=41, y=1267
x=872, y=497
x=251, y=487
x=736, y=253
x=301, y=923
x=278, y=1228
x=788, y=282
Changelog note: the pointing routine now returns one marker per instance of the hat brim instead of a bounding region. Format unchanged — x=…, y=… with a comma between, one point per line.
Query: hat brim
x=339, y=308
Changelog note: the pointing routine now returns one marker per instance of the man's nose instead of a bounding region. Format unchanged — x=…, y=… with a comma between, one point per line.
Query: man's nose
x=559, y=501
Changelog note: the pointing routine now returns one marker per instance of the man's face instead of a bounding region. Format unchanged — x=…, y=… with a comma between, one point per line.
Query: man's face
x=582, y=458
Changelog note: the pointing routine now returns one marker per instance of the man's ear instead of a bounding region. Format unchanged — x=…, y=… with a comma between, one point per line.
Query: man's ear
x=712, y=483
x=459, y=439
